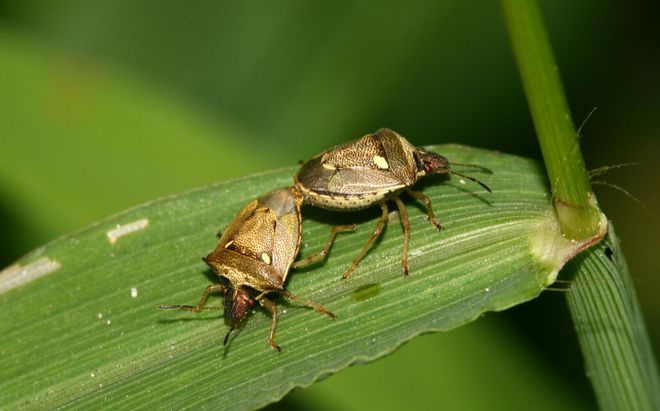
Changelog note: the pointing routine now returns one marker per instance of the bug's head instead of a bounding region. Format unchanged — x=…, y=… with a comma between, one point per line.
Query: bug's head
x=237, y=304
x=429, y=162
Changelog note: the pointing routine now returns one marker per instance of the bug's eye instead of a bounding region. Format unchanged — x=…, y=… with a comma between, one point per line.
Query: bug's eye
x=418, y=160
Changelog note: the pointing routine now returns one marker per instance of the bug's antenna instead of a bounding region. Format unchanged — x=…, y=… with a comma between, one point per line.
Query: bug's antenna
x=473, y=179
x=227, y=336
x=482, y=168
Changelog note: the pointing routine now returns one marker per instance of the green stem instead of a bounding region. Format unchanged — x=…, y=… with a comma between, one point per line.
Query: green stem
x=602, y=301
x=578, y=215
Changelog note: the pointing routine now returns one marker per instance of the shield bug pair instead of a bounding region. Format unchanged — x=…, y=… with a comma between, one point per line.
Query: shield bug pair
x=375, y=169
x=254, y=255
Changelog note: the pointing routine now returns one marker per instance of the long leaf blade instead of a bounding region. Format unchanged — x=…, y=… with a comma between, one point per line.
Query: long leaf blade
x=88, y=333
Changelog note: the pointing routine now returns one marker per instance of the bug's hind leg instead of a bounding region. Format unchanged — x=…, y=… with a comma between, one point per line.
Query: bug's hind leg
x=202, y=301
x=427, y=203
x=377, y=231
x=403, y=216
x=320, y=255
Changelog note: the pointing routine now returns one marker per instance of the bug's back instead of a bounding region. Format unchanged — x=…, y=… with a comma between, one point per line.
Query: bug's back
x=260, y=244
x=384, y=150
x=285, y=205
x=359, y=174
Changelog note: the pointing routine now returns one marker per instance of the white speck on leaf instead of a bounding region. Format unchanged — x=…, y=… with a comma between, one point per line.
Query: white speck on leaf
x=123, y=229
x=134, y=292
x=17, y=275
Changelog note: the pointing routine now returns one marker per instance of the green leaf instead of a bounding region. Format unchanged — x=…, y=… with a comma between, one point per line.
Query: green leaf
x=618, y=356
x=85, y=330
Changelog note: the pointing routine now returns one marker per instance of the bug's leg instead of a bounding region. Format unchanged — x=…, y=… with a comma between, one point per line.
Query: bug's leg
x=202, y=301
x=377, y=231
x=316, y=307
x=427, y=203
x=272, y=307
x=320, y=255
x=403, y=216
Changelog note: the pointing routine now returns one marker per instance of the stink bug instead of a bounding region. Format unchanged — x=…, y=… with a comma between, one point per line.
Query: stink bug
x=255, y=254
x=373, y=170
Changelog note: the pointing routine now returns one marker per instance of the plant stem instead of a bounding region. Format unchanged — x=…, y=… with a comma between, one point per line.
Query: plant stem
x=578, y=215
x=602, y=301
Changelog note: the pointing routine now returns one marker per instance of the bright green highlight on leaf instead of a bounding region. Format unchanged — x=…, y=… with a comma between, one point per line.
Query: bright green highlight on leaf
x=87, y=332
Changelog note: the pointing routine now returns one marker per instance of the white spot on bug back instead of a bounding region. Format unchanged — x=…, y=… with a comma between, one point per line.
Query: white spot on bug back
x=328, y=166
x=229, y=244
x=122, y=229
x=134, y=292
x=17, y=275
x=266, y=258
x=381, y=162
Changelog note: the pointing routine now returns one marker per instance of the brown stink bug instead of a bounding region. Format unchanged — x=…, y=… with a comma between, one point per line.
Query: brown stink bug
x=373, y=170
x=255, y=254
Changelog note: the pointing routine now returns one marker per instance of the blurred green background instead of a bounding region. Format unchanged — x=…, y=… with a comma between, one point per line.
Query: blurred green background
x=106, y=105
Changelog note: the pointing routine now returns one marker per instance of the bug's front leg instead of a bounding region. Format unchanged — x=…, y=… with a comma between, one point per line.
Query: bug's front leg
x=272, y=307
x=202, y=301
x=427, y=203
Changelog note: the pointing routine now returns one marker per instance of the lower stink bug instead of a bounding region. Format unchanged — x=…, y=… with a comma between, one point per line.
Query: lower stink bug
x=255, y=254
x=371, y=171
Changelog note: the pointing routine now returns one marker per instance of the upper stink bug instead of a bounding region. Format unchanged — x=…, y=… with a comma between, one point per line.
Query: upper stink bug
x=373, y=170
x=255, y=254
